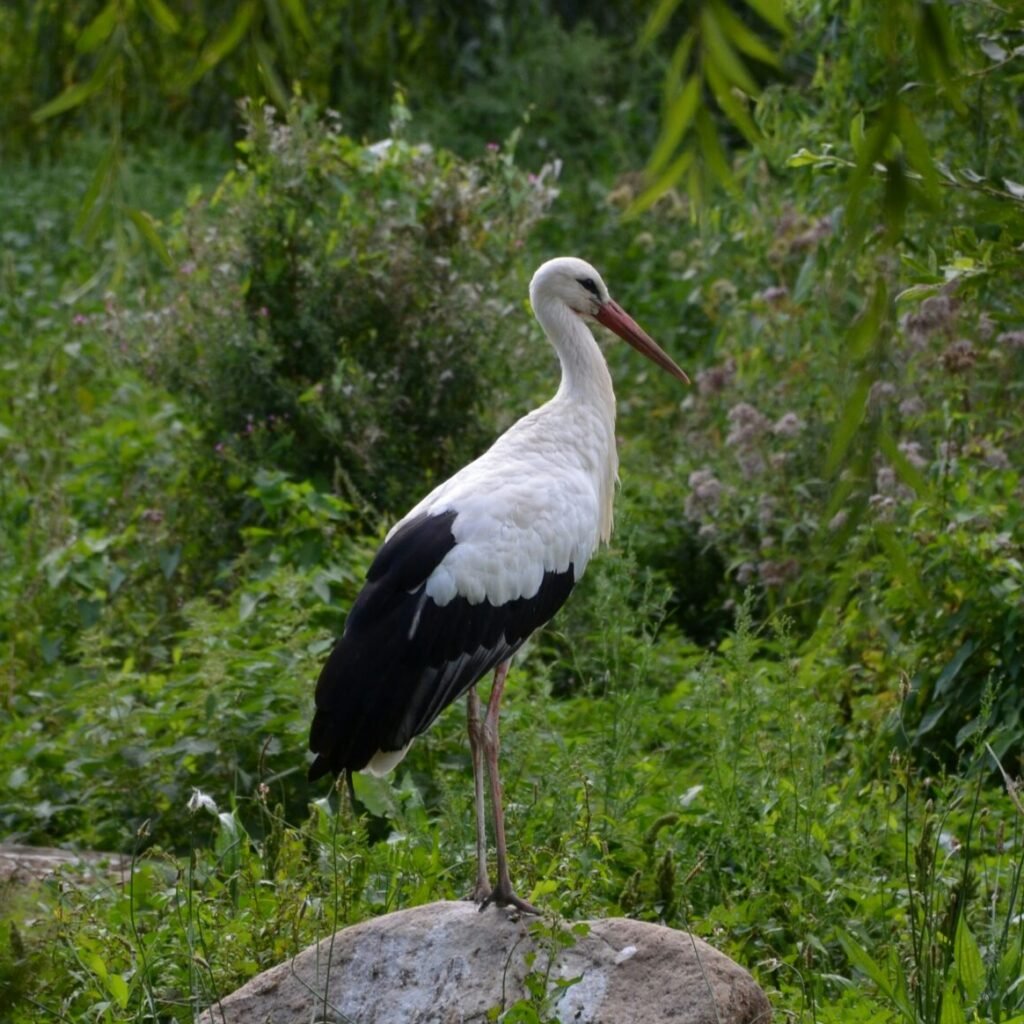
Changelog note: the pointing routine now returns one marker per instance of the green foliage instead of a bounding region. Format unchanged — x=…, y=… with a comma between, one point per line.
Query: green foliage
x=186, y=713
x=136, y=70
x=856, y=400
x=718, y=57
x=543, y=992
x=595, y=127
x=142, y=67
x=955, y=977
x=329, y=302
x=128, y=65
x=98, y=475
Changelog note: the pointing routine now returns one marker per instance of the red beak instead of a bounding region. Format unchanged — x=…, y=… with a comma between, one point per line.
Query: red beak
x=616, y=319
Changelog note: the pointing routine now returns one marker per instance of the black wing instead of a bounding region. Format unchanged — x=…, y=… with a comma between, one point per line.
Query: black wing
x=403, y=659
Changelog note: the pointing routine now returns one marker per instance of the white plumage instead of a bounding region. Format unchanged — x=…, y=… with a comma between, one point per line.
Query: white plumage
x=482, y=561
x=540, y=498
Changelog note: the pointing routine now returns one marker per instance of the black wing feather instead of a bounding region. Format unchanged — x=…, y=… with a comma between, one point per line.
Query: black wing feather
x=402, y=659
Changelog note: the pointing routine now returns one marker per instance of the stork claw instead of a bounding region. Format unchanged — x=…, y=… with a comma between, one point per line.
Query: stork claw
x=502, y=898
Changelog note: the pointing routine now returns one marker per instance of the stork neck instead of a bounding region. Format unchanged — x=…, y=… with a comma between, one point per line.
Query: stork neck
x=585, y=376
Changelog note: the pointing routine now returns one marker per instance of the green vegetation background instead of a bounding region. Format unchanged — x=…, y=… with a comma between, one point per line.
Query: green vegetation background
x=262, y=283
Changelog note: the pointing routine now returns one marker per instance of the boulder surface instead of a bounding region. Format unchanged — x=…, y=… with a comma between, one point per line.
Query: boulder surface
x=24, y=864
x=448, y=963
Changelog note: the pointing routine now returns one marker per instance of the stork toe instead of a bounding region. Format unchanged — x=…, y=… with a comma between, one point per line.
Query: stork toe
x=505, y=897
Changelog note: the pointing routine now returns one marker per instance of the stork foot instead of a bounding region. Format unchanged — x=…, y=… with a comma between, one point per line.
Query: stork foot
x=505, y=897
x=481, y=893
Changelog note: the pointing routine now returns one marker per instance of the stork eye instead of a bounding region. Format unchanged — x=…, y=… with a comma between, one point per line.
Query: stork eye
x=590, y=285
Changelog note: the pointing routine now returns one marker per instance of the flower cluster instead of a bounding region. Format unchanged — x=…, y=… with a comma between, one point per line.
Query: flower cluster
x=705, y=494
x=959, y=357
x=937, y=314
x=788, y=425
x=716, y=379
x=746, y=426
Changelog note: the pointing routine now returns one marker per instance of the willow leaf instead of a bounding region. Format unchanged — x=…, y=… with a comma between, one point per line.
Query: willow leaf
x=719, y=50
x=732, y=106
x=916, y=148
x=900, y=561
x=678, y=119
x=849, y=420
x=97, y=32
x=864, y=331
x=745, y=40
x=904, y=468
x=772, y=11
x=712, y=153
x=71, y=97
x=664, y=182
x=224, y=42
x=656, y=22
x=147, y=229
x=268, y=73
x=164, y=17
x=300, y=18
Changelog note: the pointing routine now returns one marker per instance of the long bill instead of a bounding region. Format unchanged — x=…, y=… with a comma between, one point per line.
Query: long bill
x=615, y=318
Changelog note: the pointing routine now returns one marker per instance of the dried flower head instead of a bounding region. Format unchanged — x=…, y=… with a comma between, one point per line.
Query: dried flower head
x=716, y=378
x=751, y=463
x=883, y=506
x=747, y=425
x=745, y=573
x=813, y=236
x=722, y=290
x=881, y=393
x=936, y=314
x=776, y=295
x=705, y=493
x=994, y=456
x=705, y=487
x=912, y=452
x=912, y=406
x=775, y=573
x=788, y=425
x=1011, y=339
x=959, y=357
x=838, y=521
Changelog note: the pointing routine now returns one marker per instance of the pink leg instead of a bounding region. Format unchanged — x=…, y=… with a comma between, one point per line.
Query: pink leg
x=482, y=889
x=502, y=895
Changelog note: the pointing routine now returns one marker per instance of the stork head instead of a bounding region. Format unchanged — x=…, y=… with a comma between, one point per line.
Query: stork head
x=577, y=285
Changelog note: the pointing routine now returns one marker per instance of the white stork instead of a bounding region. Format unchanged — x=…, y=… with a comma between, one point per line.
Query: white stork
x=480, y=563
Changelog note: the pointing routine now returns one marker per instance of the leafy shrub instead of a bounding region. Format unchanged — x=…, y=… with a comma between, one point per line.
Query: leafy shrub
x=226, y=700
x=341, y=310
x=852, y=446
x=596, y=116
x=94, y=488
x=78, y=62
x=875, y=494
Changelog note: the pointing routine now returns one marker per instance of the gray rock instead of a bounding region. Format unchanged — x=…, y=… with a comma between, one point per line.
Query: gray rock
x=24, y=864
x=447, y=963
